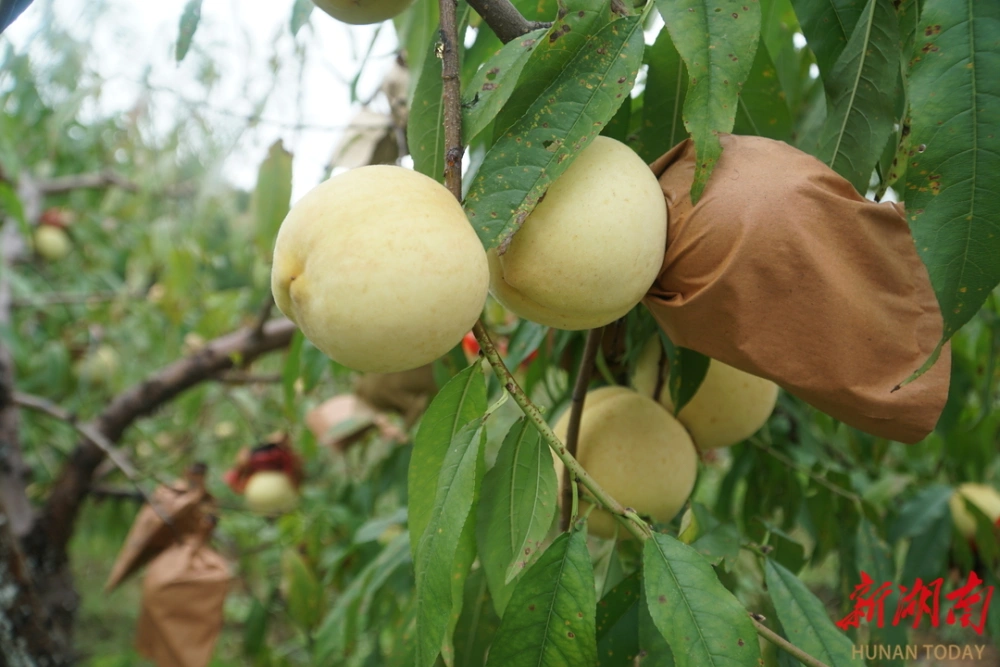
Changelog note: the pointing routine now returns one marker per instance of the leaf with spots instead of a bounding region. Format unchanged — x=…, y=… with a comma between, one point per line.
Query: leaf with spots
x=439, y=545
x=827, y=26
x=805, y=619
x=704, y=624
x=563, y=121
x=618, y=623
x=550, y=619
x=952, y=197
x=717, y=41
x=568, y=33
x=490, y=88
x=519, y=503
x=763, y=110
x=861, y=96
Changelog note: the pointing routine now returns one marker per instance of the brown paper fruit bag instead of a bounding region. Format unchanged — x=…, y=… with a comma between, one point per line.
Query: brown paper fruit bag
x=783, y=270
x=182, y=605
x=185, y=504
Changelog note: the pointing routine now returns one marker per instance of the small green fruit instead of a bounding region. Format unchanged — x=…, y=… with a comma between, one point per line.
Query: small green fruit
x=270, y=492
x=52, y=243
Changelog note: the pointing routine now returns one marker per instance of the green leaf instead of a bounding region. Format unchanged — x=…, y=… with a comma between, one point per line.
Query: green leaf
x=618, y=127
x=763, y=110
x=421, y=21
x=702, y=622
x=805, y=620
x=717, y=41
x=519, y=503
x=563, y=121
x=490, y=87
x=525, y=340
x=927, y=556
x=188, y=25
x=255, y=628
x=874, y=558
x=951, y=194
x=651, y=642
x=663, y=100
x=438, y=547
x=550, y=620
x=334, y=635
x=425, y=128
x=687, y=371
x=827, y=26
x=920, y=511
x=551, y=56
x=617, y=624
x=861, y=96
x=304, y=594
x=273, y=195
x=301, y=11
x=460, y=401
x=717, y=542
x=479, y=623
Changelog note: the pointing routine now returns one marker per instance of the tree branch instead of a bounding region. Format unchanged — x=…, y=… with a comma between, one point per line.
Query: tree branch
x=631, y=520
x=782, y=643
x=52, y=532
x=24, y=639
x=451, y=96
x=102, y=179
x=504, y=19
x=576, y=413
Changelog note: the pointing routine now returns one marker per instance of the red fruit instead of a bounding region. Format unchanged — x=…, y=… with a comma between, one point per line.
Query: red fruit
x=470, y=345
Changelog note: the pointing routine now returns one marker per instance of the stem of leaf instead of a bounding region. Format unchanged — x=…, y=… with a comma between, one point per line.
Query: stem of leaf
x=575, y=414
x=635, y=525
x=785, y=645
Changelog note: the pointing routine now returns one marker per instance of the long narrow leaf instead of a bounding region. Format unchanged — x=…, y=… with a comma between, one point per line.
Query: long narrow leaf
x=550, y=620
x=952, y=198
x=702, y=622
x=717, y=41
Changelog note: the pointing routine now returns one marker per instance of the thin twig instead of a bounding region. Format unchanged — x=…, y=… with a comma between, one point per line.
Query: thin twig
x=782, y=643
x=504, y=19
x=240, y=377
x=590, y=349
x=39, y=404
x=819, y=479
x=635, y=525
x=451, y=98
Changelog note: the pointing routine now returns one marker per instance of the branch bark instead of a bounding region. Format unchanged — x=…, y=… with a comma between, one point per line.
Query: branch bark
x=451, y=96
x=576, y=413
x=46, y=544
x=24, y=639
x=503, y=18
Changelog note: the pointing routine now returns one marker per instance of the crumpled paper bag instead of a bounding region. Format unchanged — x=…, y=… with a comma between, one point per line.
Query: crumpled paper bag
x=183, y=594
x=783, y=270
x=189, y=509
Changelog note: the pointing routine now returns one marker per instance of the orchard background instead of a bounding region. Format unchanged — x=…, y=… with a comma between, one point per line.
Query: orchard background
x=155, y=335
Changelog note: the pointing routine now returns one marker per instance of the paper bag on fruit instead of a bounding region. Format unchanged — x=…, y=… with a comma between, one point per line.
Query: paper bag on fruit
x=188, y=508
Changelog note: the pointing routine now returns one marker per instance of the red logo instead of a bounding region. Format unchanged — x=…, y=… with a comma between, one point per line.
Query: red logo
x=969, y=603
